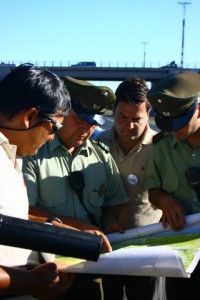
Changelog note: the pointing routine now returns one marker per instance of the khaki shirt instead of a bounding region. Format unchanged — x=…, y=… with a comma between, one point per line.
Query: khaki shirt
x=47, y=180
x=132, y=168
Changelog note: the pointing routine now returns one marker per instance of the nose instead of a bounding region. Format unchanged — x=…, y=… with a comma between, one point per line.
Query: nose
x=131, y=125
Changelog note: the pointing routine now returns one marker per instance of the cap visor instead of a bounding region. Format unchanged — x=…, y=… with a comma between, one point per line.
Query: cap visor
x=92, y=119
x=176, y=123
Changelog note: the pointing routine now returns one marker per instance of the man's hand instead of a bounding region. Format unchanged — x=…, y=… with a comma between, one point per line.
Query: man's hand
x=105, y=242
x=44, y=282
x=113, y=227
x=49, y=282
x=70, y=223
x=173, y=212
x=89, y=228
x=112, y=218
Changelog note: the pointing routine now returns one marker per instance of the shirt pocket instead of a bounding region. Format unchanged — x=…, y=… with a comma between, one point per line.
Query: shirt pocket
x=171, y=184
x=95, y=202
x=51, y=197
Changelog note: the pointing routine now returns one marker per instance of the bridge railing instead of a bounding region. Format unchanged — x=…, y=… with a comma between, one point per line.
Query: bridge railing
x=112, y=64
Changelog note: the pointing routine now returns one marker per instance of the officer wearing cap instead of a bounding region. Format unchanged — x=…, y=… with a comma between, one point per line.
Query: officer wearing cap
x=176, y=150
x=175, y=99
x=75, y=177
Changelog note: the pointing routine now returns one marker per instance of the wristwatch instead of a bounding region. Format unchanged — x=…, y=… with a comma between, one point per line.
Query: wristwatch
x=51, y=219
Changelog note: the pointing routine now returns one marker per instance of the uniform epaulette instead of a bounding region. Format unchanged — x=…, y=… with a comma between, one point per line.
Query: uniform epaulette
x=159, y=136
x=102, y=145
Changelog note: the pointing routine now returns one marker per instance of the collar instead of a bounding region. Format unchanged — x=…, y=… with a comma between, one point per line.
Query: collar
x=180, y=143
x=84, y=149
x=3, y=138
x=148, y=135
x=54, y=144
x=11, y=152
x=146, y=139
x=174, y=140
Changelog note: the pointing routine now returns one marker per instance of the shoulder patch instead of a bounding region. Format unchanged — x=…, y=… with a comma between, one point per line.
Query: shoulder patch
x=158, y=137
x=101, y=145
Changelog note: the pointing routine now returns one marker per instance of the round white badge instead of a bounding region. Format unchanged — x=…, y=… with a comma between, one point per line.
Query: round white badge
x=132, y=179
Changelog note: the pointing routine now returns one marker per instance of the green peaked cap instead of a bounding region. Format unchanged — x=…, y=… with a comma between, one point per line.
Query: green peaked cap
x=175, y=99
x=175, y=93
x=93, y=98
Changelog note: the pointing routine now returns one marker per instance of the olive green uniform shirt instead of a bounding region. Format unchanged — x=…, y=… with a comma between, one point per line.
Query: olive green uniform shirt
x=132, y=168
x=46, y=176
x=167, y=168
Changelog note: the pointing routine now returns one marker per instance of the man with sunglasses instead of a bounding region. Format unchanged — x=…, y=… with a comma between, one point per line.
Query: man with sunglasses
x=75, y=177
x=33, y=103
x=176, y=149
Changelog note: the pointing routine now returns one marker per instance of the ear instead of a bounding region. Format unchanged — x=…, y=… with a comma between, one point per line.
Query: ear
x=29, y=117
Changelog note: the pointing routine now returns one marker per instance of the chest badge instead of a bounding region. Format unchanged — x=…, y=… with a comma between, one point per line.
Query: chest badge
x=132, y=179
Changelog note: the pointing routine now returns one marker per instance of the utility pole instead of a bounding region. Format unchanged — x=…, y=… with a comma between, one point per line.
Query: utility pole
x=183, y=30
x=144, y=43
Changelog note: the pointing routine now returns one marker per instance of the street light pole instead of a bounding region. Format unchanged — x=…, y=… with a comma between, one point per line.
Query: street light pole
x=183, y=30
x=144, y=43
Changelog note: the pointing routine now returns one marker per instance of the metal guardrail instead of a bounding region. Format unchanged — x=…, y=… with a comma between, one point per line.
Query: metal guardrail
x=105, y=73
x=112, y=64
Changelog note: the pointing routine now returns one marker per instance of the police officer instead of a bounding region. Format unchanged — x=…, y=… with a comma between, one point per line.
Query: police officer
x=176, y=149
x=74, y=177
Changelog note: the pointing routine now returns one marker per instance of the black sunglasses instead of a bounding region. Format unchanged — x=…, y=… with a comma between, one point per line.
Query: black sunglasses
x=56, y=125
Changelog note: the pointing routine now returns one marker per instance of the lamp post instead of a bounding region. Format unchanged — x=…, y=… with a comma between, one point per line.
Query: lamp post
x=144, y=43
x=183, y=30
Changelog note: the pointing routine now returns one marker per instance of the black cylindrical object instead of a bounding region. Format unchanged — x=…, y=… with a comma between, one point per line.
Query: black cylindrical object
x=41, y=237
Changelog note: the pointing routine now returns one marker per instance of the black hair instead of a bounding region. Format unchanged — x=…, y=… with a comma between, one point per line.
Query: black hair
x=29, y=86
x=134, y=91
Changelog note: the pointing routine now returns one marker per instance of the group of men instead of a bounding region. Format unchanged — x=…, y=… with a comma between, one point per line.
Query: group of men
x=125, y=177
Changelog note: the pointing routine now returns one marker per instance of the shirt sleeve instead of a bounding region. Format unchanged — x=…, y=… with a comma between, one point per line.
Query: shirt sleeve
x=153, y=178
x=115, y=193
x=30, y=176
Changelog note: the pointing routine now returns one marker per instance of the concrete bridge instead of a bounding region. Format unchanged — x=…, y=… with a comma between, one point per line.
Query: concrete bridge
x=106, y=73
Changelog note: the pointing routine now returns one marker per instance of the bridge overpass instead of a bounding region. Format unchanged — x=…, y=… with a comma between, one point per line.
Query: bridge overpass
x=106, y=73
x=112, y=73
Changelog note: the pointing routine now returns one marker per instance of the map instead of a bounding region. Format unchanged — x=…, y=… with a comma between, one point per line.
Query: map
x=146, y=251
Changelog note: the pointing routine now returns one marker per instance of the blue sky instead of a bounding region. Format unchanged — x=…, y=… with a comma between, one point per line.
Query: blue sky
x=109, y=32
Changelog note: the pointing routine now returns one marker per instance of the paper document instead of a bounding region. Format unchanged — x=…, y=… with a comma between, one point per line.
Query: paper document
x=146, y=251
